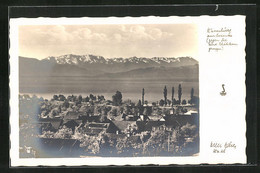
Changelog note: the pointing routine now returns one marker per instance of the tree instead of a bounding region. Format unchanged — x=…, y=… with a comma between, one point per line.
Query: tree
x=179, y=93
x=27, y=97
x=80, y=98
x=62, y=98
x=103, y=118
x=157, y=143
x=126, y=110
x=66, y=104
x=101, y=98
x=172, y=95
x=86, y=99
x=169, y=102
x=139, y=106
x=191, y=95
x=55, y=97
x=166, y=111
x=143, y=96
x=161, y=103
x=73, y=98
x=114, y=112
x=145, y=112
x=174, y=102
x=41, y=99
x=64, y=133
x=91, y=96
x=69, y=98
x=165, y=95
x=196, y=101
x=184, y=102
x=117, y=98
x=34, y=98
x=90, y=143
x=131, y=129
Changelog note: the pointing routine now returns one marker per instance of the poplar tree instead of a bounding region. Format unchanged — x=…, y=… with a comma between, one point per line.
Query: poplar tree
x=179, y=93
x=165, y=95
x=191, y=95
x=143, y=97
x=172, y=95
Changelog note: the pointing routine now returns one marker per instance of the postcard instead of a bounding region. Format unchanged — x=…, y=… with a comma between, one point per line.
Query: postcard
x=127, y=91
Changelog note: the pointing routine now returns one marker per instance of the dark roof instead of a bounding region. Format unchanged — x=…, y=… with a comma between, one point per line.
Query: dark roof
x=71, y=123
x=72, y=115
x=56, y=124
x=92, y=131
x=148, y=125
x=92, y=118
x=180, y=120
x=122, y=125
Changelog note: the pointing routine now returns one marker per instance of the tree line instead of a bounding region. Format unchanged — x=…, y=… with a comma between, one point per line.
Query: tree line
x=173, y=101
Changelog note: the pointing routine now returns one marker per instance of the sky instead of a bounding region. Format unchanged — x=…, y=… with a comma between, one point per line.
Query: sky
x=109, y=41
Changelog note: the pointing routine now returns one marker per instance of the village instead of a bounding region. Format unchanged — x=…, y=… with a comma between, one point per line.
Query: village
x=76, y=126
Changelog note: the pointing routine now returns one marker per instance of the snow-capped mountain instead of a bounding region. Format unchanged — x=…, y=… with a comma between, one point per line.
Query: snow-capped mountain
x=93, y=59
x=91, y=65
x=76, y=59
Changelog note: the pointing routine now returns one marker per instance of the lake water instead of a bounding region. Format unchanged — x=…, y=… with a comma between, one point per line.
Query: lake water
x=131, y=89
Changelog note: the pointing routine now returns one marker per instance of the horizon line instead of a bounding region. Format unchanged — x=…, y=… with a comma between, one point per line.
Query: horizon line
x=134, y=56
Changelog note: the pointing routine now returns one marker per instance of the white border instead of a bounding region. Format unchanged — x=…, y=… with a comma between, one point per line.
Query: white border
x=217, y=125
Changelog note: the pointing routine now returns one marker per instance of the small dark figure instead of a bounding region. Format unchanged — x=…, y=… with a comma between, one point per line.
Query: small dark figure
x=223, y=93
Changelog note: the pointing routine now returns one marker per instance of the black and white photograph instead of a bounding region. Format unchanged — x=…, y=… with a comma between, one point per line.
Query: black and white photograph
x=124, y=90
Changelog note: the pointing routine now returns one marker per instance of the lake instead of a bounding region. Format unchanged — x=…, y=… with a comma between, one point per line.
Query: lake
x=131, y=88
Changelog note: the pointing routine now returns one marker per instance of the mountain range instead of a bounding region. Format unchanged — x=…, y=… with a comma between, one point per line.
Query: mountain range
x=98, y=66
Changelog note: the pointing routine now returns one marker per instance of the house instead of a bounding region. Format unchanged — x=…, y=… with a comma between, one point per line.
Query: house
x=93, y=118
x=71, y=116
x=148, y=125
x=129, y=117
x=94, y=128
x=56, y=124
x=143, y=118
x=155, y=117
x=172, y=111
x=48, y=124
x=181, y=120
x=191, y=112
x=72, y=124
x=120, y=127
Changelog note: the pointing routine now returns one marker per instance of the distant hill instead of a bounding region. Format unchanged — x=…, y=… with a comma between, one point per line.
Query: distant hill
x=183, y=72
x=35, y=67
x=98, y=66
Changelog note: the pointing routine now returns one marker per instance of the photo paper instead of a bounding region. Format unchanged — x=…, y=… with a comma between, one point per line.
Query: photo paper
x=127, y=91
